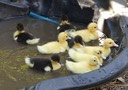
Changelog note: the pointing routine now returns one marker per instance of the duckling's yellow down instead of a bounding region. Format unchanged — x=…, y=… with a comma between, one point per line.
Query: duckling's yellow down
x=82, y=67
x=87, y=34
x=55, y=46
x=106, y=50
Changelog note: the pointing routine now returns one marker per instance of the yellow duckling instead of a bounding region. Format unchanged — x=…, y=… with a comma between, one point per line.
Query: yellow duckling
x=55, y=46
x=87, y=34
x=83, y=66
x=44, y=64
x=77, y=56
x=106, y=48
x=23, y=37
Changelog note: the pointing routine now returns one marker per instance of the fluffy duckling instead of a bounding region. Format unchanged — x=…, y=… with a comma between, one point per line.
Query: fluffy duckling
x=65, y=25
x=83, y=66
x=78, y=42
x=77, y=56
x=55, y=46
x=44, y=64
x=106, y=48
x=87, y=34
x=23, y=37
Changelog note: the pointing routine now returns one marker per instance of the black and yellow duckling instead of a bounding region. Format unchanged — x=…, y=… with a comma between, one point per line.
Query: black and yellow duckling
x=23, y=37
x=65, y=25
x=75, y=42
x=44, y=64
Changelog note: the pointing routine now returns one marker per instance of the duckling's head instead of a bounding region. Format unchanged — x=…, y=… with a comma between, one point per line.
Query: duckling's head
x=64, y=18
x=55, y=58
x=99, y=54
x=70, y=42
x=92, y=27
x=20, y=27
x=78, y=39
x=62, y=37
x=109, y=43
x=94, y=61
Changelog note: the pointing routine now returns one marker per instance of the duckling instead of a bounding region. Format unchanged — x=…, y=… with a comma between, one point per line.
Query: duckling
x=87, y=34
x=76, y=42
x=23, y=37
x=55, y=46
x=77, y=56
x=44, y=64
x=106, y=48
x=83, y=66
x=65, y=25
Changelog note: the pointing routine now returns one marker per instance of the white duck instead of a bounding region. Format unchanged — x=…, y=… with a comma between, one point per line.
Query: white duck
x=23, y=37
x=83, y=66
x=55, y=46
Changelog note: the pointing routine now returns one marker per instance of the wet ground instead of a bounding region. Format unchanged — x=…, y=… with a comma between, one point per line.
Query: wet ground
x=14, y=73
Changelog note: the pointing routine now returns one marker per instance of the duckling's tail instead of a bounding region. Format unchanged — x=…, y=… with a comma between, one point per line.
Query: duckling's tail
x=72, y=53
x=28, y=62
x=69, y=65
x=33, y=41
x=42, y=49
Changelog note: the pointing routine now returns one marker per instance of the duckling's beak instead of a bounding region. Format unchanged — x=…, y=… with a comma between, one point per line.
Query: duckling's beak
x=102, y=56
x=69, y=38
x=61, y=64
x=99, y=63
x=116, y=45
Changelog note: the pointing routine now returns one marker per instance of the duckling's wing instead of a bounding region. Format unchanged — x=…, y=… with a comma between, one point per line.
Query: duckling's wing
x=65, y=27
x=27, y=35
x=41, y=64
x=23, y=37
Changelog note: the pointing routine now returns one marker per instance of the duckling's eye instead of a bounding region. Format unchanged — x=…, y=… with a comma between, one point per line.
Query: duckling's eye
x=94, y=27
x=110, y=42
x=94, y=60
x=98, y=53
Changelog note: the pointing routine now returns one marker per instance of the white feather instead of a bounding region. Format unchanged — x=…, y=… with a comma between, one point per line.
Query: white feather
x=58, y=27
x=15, y=38
x=33, y=41
x=27, y=61
x=47, y=68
